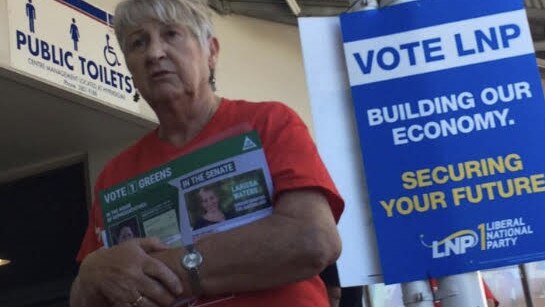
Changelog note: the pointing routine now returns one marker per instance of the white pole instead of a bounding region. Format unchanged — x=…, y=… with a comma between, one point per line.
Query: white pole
x=417, y=294
x=462, y=290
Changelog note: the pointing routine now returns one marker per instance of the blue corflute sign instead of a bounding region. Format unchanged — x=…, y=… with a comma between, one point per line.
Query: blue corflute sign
x=451, y=119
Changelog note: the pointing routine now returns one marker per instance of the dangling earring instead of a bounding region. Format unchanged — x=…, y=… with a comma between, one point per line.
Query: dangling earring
x=212, y=79
x=136, y=96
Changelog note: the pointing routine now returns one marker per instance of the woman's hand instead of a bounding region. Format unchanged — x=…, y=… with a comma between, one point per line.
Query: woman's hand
x=126, y=272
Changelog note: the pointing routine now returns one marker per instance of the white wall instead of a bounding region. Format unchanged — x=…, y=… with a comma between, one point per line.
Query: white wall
x=261, y=60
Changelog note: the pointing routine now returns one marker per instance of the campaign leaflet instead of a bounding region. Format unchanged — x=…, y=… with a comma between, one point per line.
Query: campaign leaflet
x=451, y=118
x=213, y=189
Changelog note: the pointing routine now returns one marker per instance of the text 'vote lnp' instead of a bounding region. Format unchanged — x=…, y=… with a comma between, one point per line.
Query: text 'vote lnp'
x=437, y=48
x=431, y=50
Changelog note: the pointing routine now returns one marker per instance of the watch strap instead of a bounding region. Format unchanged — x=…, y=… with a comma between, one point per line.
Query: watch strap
x=194, y=277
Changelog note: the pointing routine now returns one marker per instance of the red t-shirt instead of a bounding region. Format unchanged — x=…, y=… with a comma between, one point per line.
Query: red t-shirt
x=293, y=161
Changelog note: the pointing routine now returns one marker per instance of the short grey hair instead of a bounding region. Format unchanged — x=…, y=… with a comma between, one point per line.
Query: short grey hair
x=194, y=14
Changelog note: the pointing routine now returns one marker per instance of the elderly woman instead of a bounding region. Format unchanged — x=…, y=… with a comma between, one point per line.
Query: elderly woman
x=172, y=54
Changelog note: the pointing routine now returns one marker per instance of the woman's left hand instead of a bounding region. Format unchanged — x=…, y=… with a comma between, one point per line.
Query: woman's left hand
x=127, y=275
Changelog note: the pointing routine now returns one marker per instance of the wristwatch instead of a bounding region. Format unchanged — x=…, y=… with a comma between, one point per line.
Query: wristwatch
x=191, y=261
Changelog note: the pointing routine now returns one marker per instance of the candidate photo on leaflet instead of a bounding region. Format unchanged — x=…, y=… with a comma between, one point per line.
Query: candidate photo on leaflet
x=209, y=208
x=172, y=54
x=126, y=231
x=125, y=234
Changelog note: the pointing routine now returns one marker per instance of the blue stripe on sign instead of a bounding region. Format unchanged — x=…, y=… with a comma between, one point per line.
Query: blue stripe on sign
x=89, y=10
x=355, y=26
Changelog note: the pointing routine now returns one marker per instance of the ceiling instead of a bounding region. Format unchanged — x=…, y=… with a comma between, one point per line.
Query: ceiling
x=536, y=17
x=279, y=10
x=41, y=122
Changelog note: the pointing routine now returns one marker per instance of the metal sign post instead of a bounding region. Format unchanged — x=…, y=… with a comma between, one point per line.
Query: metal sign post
x=461, y=290
x=417, y=294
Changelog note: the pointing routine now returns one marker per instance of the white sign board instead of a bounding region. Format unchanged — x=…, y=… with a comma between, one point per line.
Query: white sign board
x=70, y=44
x=337, y=141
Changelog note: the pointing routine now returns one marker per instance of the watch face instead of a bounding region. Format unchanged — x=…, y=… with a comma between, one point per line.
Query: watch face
x=192, y=260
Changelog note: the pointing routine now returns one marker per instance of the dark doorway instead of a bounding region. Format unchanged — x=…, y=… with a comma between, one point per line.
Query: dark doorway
x=42, y=221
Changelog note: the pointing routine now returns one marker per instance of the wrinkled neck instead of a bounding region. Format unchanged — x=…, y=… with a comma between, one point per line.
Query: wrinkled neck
x=183, y=122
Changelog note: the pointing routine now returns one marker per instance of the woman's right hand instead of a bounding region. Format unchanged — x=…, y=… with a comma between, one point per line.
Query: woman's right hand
x=124, y=273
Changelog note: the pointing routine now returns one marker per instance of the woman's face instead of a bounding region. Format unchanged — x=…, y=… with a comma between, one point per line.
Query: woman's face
x=125, y=234
x=209, y=200
x=167, y=62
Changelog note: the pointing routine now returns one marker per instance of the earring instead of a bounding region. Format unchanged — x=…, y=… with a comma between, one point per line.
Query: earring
x=136, y=96
x=212, y=79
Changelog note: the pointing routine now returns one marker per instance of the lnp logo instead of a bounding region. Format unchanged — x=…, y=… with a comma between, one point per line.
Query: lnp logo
x=455, y=244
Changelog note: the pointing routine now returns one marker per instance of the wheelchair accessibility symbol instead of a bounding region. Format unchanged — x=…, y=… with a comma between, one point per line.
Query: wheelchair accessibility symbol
x=109, y=54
